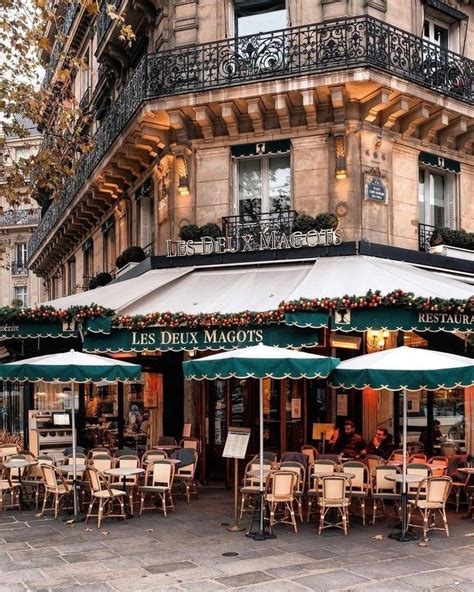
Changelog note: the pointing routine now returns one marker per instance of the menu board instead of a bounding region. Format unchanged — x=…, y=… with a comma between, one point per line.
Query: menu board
x=236, y=443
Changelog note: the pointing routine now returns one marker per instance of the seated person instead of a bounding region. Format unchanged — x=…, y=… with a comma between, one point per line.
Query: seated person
x=349, y=443
x=381, y=444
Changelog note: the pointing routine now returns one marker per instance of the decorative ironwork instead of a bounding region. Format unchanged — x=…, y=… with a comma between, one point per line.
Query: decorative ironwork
x=85, y=100
x=149, y=249
x=25, y=217
x=103, y=20
x=329, y=46
x=425, y=232
x=19, y=268
x=255, y=225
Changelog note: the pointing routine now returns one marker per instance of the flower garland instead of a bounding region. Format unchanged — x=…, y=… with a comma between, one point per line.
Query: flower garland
x=395, y=299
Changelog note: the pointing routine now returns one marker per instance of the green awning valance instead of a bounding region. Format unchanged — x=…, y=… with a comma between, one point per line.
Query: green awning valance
x=184, y=339
x=32, y=329
x=99, y=325
x=440, y=162
x=315, y=320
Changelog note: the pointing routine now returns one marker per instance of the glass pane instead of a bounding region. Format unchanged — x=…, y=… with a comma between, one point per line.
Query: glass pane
x=448, y=409
x=220, y=421
x=240, y=403
x=441, y=36
x=437, y=200
x=421, y=196
x=271, y=414
x=11, y=408
x=261, y=22
x=279, y=183
x=250, y=188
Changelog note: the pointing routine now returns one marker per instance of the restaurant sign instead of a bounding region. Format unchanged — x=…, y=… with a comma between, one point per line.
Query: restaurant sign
x=164, y=339
x=266, y=240
x=32, y=329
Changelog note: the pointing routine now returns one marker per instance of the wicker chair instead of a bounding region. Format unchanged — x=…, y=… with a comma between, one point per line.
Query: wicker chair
x=318, y=468
x=33, y=478
x=55, y=485
x=129, y=461
x=105, y=495
x=438, y=465
x=310, y=452
x=251, y=484
x=300, y=472
x=185, y=474
x=448, y=448
x=384, y=489
x=150, y=456
x=431, y=500
x=280, y=494
x=335, y=494
x=360, y=483
x=193, y=443
x=11, y=488
x=159, y=478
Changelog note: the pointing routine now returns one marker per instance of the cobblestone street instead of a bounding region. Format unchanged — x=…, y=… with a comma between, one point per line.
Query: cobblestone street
x=187, y=551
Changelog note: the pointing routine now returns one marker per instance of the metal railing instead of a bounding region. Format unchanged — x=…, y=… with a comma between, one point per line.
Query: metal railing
x=14, y=217
x=103, y=19
x=19, y=268
x=85, y=99
x=329, y=46
x=425, y=232
x=257, y=225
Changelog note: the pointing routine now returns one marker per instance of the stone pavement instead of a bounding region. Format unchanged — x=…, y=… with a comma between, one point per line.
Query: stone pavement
x=187, y=552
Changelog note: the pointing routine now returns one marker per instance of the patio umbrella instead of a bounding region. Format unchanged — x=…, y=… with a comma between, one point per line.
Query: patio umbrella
x=260, y=361
x=404, y=369
x=70, y=367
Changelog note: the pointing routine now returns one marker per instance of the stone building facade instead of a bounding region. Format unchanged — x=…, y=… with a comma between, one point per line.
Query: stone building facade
x=18, y=285
x=223, y=108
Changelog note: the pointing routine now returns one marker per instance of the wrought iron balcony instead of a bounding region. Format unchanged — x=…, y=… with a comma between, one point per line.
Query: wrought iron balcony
x=254, y=225
x=425, y=232
x=324, y=47
x=24, y=217
x=19, y=268
x=85, y=99
x=103, y=19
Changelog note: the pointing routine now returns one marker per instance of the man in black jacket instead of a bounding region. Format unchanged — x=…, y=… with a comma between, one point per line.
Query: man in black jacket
x=349, y=444
x=381, y=444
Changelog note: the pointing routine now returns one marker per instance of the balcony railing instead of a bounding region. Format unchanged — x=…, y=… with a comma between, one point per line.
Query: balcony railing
x=425, y=232
x=254, y=225
x=85, y=99
x=103, y=19
x=330, y=46
x=19, y=268
x=14, y=217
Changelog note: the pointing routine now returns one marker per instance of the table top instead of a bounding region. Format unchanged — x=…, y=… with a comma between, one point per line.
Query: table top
x=256, y=473
x=469, y=470
x=19, y=464
x=398, y=478
x=166, y=447
x=335, y=474
x=70, y=468
x=124, y=471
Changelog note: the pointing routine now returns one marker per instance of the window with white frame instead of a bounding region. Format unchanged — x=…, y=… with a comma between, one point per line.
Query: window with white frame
x=88, y=260
x=21, y=254
x=145, y=208
x=71, y=276
x=436, y=32
x=109, y=251
x=259, y=16
x=262, y=178
x=437, y=193
x=20, y=294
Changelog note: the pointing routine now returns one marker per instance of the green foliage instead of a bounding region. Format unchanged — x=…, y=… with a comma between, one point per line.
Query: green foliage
x=131, y=255
x=103, y=278
x=452, y=238
x=190, y=232
x=304, y=222
x=211, y=229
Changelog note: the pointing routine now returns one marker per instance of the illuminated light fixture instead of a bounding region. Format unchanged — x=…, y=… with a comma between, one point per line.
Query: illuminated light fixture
x=377, y=340
x=340, y=149
x=183, y=179
x=345, y=341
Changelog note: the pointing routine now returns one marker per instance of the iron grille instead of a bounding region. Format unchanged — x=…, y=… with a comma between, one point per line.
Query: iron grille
x=19, y=268
x=425, y=232
x=250, y=228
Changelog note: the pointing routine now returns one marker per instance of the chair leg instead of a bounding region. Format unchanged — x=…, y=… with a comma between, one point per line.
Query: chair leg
x=425, y=523
x=362, y=506
x=100, y=513
x=122, y=509
x=56, y=505
x=142, y=503
x=242, y=504
x=458, y=498
x=445, y=520
x=46, y=495
x=89, y=512
x=374, y=512
x=310, y=505
x=293, y=519
x=321, y=519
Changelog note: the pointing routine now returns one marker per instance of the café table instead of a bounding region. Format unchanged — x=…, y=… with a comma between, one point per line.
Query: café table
x=335, y=474
x=20, y=465
x=167, y=447
x=125, y=472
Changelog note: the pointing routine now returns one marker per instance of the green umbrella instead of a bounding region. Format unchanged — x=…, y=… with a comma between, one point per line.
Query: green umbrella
x=260, y=361
x=404, y=369
x=70, y=367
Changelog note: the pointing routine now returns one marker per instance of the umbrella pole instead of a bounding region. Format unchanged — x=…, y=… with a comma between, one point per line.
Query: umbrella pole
x=404, y=469
x=74, y=468
x=262, y=502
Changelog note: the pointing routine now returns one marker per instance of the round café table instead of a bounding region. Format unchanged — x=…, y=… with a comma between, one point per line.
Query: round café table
x=398, y=478
x=167, y=447
x=124, y=472
x=19, y=465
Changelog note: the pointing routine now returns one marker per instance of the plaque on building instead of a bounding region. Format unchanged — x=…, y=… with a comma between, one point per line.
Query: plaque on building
x=375, y=189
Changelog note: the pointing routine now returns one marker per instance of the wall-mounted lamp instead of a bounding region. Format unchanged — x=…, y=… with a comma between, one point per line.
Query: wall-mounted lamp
x=183, y=180
x=340, y=149
x=377, y=340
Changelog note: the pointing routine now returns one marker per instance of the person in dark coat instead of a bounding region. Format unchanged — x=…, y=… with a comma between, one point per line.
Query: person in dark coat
x=349, y=443
x=381, y=444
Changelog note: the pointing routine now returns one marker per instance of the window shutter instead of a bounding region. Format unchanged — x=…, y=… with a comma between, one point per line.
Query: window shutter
x=145, y=221
x=451, y=209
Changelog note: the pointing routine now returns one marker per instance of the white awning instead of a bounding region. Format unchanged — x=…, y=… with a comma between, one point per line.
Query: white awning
x=121, y=294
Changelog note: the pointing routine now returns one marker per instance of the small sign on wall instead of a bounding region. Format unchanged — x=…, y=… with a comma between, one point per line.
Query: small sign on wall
x=375, y=189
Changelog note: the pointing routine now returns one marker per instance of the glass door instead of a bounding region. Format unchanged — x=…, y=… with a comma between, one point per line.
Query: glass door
x=216, y=428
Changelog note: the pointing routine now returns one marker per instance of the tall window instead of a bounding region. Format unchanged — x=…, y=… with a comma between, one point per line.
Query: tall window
x=263, y=184
x=71, y=276
x=21, y=254
x=20, y=295
x=109, y=251
x=259, y=16
x=88, y=254
x=145, y=215
x=436, y=32
x=437, y=198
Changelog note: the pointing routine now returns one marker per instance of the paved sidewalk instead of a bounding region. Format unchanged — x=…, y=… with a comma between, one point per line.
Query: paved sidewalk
x=187, y=552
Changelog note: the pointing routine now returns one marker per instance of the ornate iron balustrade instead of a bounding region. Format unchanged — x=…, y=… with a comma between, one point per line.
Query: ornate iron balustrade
x=149, y=249
x=255, y=225
x=104, y=21
x=19, y=268
x=25, y=217
x=425, y=232
x=64, y=29
x=85, y=99
x=329, y=46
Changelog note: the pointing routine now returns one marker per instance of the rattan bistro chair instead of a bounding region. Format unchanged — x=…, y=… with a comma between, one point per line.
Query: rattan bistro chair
x=159, y=478
x=335, y=495
x=431, y=500
x=151, y=456
x=185, y=474
x=55, y=485
x=128, y=461
x=384, y=489
x=360, y=483
x=105, y=495
x=251, y=484
x=319, y=468
x=300, y=472
x=10, y=488
x=280, y=495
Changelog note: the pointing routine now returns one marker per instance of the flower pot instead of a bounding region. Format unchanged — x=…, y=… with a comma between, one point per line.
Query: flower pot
x=456, y=252
x=125, y=268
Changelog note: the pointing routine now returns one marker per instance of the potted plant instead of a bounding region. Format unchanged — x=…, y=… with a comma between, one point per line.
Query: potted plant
x=190, y=232
x=452, y=243
x=212, y=230
x=129, y=258
x=303, y=223
x=103, y=278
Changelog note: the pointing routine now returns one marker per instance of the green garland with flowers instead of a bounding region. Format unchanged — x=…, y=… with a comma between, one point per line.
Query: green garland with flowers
x=395, y=299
